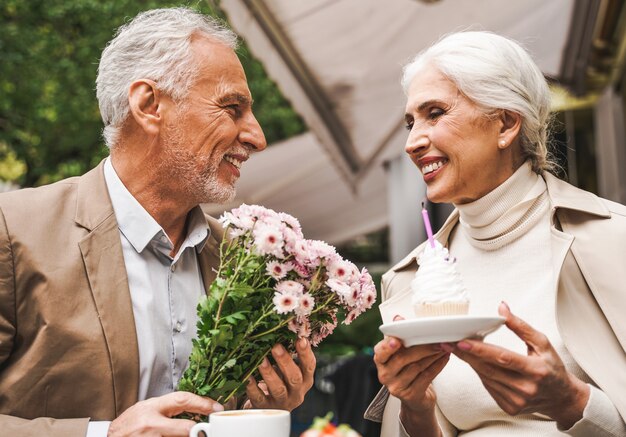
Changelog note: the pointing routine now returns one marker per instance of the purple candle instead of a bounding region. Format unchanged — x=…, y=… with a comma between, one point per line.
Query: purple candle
x=429, y=230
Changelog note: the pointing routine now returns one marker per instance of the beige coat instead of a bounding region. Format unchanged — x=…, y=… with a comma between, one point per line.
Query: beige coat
x=589, y=247
x=68, y=346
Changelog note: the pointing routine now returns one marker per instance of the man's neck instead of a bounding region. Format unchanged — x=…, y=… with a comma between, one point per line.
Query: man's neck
x=157, y=194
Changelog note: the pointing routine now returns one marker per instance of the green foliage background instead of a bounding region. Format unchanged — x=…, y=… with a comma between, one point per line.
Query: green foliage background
x=49, y=51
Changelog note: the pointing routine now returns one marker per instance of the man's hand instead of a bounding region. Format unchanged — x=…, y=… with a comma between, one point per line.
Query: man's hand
x=153, y=417
x=522, y=384
x=286, y=388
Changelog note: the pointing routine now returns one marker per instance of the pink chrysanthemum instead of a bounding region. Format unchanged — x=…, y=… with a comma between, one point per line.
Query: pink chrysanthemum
x=351, y=316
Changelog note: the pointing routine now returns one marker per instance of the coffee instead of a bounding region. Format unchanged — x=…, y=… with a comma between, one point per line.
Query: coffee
x=250, y=413
x=246, y=423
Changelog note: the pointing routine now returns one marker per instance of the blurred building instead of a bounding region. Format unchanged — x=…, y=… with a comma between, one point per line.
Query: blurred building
x=339, y=63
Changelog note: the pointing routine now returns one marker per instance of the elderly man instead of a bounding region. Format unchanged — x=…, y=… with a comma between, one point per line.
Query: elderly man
x=100, y=275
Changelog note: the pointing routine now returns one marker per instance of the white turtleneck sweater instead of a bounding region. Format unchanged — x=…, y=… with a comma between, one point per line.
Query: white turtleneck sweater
x=503, y=247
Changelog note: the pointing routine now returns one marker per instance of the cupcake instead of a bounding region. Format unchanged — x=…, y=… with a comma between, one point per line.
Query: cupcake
x=437, y=287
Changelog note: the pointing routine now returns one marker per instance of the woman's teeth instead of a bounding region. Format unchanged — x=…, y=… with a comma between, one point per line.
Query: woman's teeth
x=429, y=168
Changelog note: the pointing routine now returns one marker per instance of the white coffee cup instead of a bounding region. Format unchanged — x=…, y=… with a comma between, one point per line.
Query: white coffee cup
x=245, y=423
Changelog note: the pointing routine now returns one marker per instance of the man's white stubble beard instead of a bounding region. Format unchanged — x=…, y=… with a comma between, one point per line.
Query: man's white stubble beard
x=203, y=185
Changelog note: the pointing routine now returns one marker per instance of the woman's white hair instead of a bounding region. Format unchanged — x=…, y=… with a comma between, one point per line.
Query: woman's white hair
x=495, y=73
x=154, y=45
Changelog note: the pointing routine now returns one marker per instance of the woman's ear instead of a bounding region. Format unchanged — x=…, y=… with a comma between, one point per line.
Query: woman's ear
x=144, y=101
x=510, y=129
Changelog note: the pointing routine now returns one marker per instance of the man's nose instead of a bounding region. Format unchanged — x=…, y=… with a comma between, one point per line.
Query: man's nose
x=252, y=135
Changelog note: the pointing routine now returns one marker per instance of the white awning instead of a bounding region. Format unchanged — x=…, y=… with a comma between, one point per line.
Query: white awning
x=339, y=63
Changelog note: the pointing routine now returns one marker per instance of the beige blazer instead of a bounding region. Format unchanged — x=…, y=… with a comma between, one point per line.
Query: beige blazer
x=68, y=347
x=588, y=239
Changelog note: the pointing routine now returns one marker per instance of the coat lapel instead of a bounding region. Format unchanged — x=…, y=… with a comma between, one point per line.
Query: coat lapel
x=104, y=265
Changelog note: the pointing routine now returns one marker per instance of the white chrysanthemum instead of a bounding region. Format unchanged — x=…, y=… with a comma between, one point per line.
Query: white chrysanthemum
x=284, y=303
x=339, y=270
x=292, y=288
x=301, y=252
x=369, y=297
x=292, y=222
x=321, y=249
x=340, y=288
x=306, y=304
x=353, y=272
x=268, y=241
x=278, y=270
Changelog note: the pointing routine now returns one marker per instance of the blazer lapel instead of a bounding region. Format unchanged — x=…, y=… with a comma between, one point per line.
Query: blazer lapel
x=210, y=254
x=106, y=272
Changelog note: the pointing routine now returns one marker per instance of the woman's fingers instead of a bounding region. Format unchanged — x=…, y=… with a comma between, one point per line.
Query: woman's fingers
x=533, y=338
x=410, y=373
x=489, y=358
x=509, y=400
x=385, y=349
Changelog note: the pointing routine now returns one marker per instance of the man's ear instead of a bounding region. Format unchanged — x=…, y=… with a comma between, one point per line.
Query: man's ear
x=510, y=129
x=144, y=100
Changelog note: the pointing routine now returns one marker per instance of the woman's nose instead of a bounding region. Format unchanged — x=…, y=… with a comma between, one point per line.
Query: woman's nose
x=417, y=142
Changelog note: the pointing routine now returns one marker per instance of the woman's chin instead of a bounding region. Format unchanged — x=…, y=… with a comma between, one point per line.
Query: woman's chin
x=436, y=196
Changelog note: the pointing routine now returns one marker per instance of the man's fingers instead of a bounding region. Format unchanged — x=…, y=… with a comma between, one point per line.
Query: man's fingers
x=307, y=361
x=256, y=396
x=290, y=371
x=523, y=330
x=178, y=402
x=275, y=385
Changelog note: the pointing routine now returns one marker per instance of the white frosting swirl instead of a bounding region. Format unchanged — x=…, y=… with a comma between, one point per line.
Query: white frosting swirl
x=437, y=279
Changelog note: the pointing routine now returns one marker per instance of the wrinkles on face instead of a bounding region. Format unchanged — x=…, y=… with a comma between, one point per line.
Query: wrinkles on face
x=446, y=124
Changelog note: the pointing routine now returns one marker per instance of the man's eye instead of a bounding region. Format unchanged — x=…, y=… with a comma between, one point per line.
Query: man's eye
x=409, y=125
x=233, y=108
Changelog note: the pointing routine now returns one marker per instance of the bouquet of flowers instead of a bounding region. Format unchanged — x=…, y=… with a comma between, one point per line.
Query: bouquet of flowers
x=272, y=286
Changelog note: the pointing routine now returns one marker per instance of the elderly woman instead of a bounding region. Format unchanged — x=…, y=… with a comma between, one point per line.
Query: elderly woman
x=477, y=114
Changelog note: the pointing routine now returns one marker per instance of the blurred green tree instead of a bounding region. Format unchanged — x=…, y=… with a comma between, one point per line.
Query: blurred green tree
x=50, y=126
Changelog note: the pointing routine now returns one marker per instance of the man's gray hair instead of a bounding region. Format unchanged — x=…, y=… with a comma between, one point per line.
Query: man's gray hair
x=495, y=73
x=155, y=45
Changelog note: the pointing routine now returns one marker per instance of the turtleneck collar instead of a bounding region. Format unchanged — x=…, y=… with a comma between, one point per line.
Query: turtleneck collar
x=502, y=215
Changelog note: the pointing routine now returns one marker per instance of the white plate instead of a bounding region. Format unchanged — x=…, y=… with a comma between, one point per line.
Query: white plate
x=441, y=329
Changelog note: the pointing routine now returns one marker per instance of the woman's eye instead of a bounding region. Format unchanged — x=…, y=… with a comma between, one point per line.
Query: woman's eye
x=409, y=125
x=435, y=113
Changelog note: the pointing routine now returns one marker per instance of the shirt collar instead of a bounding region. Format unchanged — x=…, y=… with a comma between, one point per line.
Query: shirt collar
x=139, y=227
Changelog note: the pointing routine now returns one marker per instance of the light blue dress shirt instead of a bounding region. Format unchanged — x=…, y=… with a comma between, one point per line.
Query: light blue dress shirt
x=164, y=290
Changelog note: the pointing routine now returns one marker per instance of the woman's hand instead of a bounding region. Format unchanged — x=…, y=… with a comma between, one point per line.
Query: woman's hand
x=522, y=384
x=407, y=373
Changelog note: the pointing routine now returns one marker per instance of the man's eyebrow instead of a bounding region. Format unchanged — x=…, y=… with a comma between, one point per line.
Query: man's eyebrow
x=239, y=98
